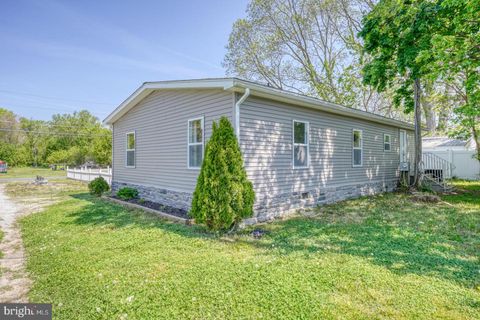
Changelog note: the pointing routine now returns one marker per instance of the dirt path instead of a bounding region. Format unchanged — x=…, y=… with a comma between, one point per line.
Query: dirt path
x=14, y=280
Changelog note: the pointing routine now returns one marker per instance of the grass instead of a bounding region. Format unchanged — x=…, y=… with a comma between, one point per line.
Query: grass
x=30, y=172
x=57, y=189
x=376, y=257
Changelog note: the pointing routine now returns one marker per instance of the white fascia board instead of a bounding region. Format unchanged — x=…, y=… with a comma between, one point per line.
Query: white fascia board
x=300, y=100
x=147, y=87
x=237, y=85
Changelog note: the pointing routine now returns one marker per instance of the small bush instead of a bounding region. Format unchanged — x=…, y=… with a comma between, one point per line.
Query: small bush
x=223, y=195
x=98, y=186
x=127, y=193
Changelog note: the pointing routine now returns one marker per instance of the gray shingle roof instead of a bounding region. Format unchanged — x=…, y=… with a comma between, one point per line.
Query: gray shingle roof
x=432, y=142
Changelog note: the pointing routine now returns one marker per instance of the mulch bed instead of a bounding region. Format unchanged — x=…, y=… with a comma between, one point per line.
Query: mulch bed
x=181, y=213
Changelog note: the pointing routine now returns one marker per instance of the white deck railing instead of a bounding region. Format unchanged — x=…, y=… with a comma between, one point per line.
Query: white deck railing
x=88, y=174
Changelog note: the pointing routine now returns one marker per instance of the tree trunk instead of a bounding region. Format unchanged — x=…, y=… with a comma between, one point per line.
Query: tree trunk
x=429, y=117
x=417, y=181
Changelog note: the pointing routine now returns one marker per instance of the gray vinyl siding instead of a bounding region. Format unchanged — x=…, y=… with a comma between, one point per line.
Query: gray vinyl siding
x=160, y=122
x=266, y=142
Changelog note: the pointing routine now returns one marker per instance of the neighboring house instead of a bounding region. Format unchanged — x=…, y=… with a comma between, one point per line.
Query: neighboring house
x=298, y=151
x=3, y=167
x=458, y=154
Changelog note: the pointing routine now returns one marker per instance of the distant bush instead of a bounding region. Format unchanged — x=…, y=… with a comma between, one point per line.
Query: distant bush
x=223, y=195
x=98, y=186
x=127, y=193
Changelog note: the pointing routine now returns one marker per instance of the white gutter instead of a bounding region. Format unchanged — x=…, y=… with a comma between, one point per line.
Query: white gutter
x=237, y=112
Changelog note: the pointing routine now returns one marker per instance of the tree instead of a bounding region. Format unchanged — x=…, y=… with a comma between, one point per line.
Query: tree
x=223, y=194
x=306, y=46
x=456, y=55
x=9, y=125
x=34, y=140
x=82, y=135
x=101, y=150
x=395, y=34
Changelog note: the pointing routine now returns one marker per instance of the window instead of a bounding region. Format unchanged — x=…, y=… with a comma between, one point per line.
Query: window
x=195, y=143
x=386, y=142
x=357, y=148
x=300, y=144
x=130, y=157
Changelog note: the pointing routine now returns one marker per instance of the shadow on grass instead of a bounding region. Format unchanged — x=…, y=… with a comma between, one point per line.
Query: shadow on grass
x=101, y=212
x=398, y=246
x=401, y=252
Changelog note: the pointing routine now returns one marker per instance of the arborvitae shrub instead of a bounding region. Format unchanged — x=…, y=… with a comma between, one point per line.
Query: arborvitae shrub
x=127, y=193
x=98, y=186
x=223, y=195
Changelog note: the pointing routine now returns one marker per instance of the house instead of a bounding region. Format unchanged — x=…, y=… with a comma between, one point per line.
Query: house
x=298, y=151
x=450, y=157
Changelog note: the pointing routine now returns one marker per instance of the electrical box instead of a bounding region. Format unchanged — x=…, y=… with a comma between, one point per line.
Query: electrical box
x=404, y=166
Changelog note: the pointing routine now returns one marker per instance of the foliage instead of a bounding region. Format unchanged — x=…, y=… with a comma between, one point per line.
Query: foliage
x=9, y=125
x=395, y=33
x=456, y=54
x=382, y=256
x=127, y=193
x=13, y=155
x=306, y=46
x=223, y=195
x=68, y=139
x=98, y=186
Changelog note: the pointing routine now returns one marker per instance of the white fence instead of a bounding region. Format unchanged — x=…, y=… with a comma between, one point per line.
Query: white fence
x=87, y=174
x=465, y=166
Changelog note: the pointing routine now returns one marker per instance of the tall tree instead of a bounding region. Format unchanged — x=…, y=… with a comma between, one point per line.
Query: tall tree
x=456, y=54
x=395, y=34
x=9, y=126
x=34, y=140
x=307, y=46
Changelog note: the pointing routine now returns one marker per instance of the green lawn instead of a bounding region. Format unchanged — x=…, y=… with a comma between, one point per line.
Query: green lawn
x=29, y=172
x=378, y=257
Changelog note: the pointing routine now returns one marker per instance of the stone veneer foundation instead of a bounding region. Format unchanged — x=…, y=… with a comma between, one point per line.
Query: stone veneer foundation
x=181, y=200
x=270, y=208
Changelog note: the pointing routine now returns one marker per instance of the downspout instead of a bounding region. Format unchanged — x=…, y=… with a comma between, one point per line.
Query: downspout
x=237, y=112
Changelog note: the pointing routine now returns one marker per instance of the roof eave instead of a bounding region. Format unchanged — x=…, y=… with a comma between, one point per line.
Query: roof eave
x=238, y=85
x=270, y=93
x=147, y=87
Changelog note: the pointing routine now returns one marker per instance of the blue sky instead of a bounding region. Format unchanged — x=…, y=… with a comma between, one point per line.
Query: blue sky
x=61, y=56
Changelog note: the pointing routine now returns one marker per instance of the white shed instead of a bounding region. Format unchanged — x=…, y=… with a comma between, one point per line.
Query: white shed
x=459, y=153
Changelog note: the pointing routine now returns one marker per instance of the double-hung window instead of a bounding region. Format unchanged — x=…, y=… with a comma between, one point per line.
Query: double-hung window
x=130, y=147
x=357, y=148
x=387, y=142
x=300, y=144
x=195, y=143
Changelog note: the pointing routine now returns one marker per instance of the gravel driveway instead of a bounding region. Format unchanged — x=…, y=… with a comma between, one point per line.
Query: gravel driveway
x=14, y=280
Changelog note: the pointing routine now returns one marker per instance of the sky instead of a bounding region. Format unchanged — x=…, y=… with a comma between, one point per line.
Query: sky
x=62, y=56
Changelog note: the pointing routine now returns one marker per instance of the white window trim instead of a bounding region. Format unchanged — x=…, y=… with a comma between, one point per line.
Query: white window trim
x=357, y=148
x=389, y=142
x=134, y=149
x=307, y=129
x=202, y=119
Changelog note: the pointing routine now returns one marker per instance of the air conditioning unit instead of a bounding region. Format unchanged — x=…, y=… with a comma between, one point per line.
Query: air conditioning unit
x=404, y=166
